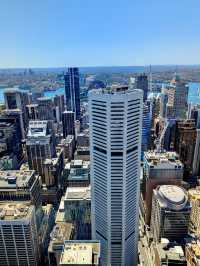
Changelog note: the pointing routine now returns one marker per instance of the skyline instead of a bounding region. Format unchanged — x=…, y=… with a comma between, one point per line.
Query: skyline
x=126, y=33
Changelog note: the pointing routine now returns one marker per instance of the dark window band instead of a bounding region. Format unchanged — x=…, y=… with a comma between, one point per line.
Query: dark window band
x=116, y=153
x=100, y=150
x=129, y=236
x=132, y=149
x=101, y=235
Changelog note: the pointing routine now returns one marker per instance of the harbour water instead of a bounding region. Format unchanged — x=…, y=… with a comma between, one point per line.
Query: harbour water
x=193, y=94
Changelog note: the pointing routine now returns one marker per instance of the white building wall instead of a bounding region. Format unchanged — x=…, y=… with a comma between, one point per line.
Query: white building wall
x=115, y=128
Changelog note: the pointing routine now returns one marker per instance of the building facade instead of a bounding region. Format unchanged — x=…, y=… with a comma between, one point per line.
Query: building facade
x=146, y=128
x=142, y=84
x=18, y=234
x=72, y=91
x=115, y=141
x=177, y=98
x=45, y=108
x=160, y=168
x=170, y=213
x=39, y=146
x=68, y=123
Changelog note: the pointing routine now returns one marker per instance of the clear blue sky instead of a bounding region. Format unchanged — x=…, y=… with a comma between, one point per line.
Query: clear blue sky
x=36, y=33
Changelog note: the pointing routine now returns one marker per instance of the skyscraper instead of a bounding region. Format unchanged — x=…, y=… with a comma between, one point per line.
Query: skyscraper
x=146, y=127
x=45, y=108
x=39, y=146
x=72, y=91
x=142, y=84
x=17, y=100
x=177, y=98
x=18, y=234
x=170, y=213
x=116, y=122
x=59, y=102
x=68, y=123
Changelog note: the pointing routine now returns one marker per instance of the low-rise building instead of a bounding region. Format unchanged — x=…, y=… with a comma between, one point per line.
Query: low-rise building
x=80, y=253
x=82, y=153
x=62, y=231
x=170, y=255
x=77, y=173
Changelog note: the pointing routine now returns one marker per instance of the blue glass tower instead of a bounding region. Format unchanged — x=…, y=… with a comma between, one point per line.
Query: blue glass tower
x=72, y=91
x=146, y=127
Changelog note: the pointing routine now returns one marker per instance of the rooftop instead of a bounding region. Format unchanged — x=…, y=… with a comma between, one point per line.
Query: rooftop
x=80, y=253
x=60, y=215
x=163, y=159
x=14, y=179
x=37, y=129
x=78, y=170
x=15, y=210
x=32, y=105
x=172, y=197
x=44, y=98
x=77, y=164
x=173, y=253
x=61, y=232
x=68, y=140
x=114, y=89
x=68, y=112
x=12, y=90
x=78, y=193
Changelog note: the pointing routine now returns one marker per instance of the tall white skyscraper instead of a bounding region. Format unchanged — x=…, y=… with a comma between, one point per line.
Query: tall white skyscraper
x=115, y=128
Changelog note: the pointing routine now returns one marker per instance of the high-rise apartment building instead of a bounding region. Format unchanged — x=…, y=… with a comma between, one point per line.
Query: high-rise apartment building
x=18, y=234
x=72, y=91
x=115, y=141
x=142, y=84
x=170, y=213
x=68, y=123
